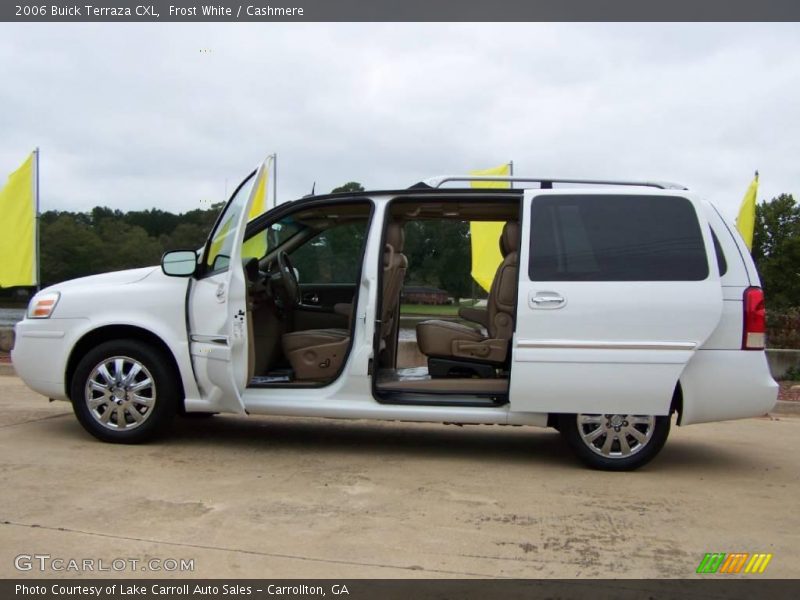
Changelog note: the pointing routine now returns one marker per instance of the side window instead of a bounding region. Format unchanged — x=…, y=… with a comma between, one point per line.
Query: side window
x=219, y=251
x=274, y=236
x=615, y=238
x=332, y=256
x=723, y=264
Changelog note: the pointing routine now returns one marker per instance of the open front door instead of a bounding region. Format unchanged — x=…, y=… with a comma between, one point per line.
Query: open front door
x=218, y=316
x=617, y=291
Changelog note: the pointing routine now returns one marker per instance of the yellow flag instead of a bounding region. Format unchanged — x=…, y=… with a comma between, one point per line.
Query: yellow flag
x=485, y=235
x=218, y=243
x=746, y=221
x=18, y=227
x=259, y=205
x=256, y=246
x=501, y=171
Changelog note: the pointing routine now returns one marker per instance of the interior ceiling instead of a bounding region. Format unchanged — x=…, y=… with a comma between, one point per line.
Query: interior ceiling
x=322, y=217
x=495, y=210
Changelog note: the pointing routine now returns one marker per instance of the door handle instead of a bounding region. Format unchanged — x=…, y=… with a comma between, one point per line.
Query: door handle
x=543, y=300
x=547, y=300
x=209, y=339
x=311, y=298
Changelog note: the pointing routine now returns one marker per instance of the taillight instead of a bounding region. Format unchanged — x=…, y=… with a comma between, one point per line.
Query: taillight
x=755, y=325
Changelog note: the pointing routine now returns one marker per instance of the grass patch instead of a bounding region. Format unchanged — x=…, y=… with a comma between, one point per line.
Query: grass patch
x=449, y=310
x=441, y=310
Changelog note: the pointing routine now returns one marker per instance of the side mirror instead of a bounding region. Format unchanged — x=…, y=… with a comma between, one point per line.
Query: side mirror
x=179, y=263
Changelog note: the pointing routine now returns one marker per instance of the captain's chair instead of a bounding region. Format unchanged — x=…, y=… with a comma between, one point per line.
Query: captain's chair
x=456, y=349
x=395, y=265
x=318, y=353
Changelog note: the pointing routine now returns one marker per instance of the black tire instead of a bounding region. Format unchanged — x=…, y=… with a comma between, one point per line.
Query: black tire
x=571, y=430
x=162, y=394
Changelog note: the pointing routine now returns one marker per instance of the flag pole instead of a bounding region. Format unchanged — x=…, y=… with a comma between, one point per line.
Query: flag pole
x=36, y=215
x=274, y=179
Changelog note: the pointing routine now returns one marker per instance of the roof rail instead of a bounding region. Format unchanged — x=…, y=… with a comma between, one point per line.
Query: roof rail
x=547, y=182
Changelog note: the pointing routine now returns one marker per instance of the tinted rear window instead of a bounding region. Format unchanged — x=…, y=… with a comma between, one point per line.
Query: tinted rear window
x=616, y=238
x=723, y=264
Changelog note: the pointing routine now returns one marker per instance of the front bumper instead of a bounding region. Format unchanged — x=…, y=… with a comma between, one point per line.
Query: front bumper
x=41, y=351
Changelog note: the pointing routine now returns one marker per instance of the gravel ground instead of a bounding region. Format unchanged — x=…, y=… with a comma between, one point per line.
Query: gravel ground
x=294, y=497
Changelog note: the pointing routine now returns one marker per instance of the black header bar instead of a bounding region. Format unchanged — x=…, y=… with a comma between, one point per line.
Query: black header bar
x=397, y=10
x=398, y=589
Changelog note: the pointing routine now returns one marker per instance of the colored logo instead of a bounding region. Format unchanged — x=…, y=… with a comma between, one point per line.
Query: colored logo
x=738, y=562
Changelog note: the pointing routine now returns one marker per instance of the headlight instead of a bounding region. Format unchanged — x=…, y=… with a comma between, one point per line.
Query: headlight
x=42, y=305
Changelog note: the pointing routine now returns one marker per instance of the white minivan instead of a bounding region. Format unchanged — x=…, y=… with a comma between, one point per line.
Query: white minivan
x=616, y=305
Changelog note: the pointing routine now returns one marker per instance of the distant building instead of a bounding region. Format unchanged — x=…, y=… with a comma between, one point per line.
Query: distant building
x=421, y=294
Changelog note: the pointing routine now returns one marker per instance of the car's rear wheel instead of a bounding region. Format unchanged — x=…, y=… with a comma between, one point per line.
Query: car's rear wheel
x=615, y=442
x=124, y=391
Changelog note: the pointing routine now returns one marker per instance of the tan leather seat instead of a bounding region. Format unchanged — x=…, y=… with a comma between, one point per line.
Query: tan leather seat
x=313, y=337
x=395, y=265
x=316, y=353
x=455, y=341
x=319, y=353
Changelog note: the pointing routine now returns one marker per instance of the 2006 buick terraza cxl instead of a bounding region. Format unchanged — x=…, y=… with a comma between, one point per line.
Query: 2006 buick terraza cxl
x=616, y=305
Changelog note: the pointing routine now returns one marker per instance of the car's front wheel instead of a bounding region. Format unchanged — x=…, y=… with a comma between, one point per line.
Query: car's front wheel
x=124, y=391
x=613, y=442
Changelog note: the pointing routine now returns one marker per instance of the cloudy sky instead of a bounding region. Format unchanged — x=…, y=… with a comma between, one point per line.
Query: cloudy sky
x=140, y=115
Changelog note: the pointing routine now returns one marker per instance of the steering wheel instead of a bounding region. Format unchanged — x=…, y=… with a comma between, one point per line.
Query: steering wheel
x=291, y=288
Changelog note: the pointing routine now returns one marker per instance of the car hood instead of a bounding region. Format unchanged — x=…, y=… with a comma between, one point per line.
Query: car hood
x=114, y=278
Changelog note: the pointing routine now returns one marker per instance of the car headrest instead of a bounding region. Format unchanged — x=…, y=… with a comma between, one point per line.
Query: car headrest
x=509, y=240
x=396, y=236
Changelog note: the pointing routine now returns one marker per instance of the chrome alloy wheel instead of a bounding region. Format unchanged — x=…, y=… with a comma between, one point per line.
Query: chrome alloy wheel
x=120, y=393
x=616, y=436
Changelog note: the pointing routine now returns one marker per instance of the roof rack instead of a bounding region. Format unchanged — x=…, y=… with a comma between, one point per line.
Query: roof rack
x=547, y=182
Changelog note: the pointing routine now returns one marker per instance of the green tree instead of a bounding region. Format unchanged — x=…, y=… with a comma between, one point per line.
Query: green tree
x=438, y=253
x=185, y=236
x=333, y=256
x=205, y=218
x=103, y=239
x=69, y=249
x=422, y=250
x=127, y=247
x=350, y=186
x=776, y=250
x=455, y=262
x=154, y=221
x=103, y=213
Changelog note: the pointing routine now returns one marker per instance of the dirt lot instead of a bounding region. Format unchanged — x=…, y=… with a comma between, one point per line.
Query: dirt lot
x=278, y=497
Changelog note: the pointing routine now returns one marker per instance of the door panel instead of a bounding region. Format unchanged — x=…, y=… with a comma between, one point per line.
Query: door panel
x=327, y=295
x=210, y=345
x=328, y=264
x=219, y=318
x=318, y=319
x=592, y=336
x=319, y=300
